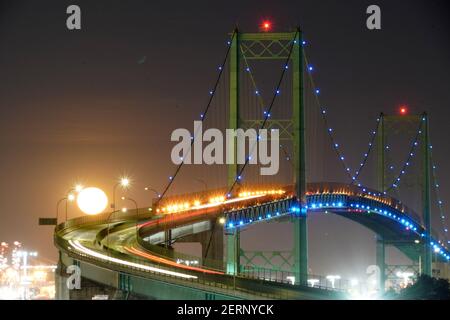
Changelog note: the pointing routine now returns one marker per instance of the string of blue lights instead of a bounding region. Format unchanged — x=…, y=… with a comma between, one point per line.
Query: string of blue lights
x=440, y=204
x=336, y=147
x=408, y=160
x=266, y=113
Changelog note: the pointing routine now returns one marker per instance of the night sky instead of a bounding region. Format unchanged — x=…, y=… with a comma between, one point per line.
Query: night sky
x=85, y=106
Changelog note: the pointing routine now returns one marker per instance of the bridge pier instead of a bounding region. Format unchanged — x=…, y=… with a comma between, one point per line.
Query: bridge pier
x=300, y=253
x=381, y=262
x=233, y=256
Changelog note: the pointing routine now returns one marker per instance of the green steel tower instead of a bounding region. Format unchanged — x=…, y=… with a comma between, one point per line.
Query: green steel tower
x=243, y=45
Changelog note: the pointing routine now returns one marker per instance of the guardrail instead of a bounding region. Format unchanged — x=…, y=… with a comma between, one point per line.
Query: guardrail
x=234, y=286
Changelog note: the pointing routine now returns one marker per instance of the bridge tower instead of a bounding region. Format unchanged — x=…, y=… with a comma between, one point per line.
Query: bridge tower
x=425, y=255
x=242, y=45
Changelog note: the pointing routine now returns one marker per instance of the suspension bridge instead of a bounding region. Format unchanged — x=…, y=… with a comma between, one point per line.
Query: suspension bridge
x=134, y=254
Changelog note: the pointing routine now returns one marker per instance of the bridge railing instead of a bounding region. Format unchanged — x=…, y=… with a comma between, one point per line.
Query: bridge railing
x=288, y=277
x=228, y=285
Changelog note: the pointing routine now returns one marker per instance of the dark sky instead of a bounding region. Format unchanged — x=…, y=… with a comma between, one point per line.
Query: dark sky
x=77, y=105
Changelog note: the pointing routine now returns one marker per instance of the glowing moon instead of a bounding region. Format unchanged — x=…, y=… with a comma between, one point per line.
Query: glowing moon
x=92, y=200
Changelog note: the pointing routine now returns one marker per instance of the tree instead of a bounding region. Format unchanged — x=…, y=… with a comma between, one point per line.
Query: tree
x=427, y=288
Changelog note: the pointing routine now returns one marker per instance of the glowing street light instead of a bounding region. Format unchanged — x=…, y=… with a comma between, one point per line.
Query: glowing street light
x=148, y=188
x=291, y=279
x=332, y=279
x=70, y=197
x=405, y=276
x=124, y=182
x=313, y=282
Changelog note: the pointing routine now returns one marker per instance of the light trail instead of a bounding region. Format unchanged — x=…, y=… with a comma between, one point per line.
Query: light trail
x=169, y=262
x=215, y=204
x=76, y=244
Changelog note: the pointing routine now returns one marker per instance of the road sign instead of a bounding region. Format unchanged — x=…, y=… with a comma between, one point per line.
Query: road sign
x=48, y=222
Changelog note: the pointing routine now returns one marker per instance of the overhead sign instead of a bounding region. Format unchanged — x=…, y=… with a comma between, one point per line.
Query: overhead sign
x=48, y=222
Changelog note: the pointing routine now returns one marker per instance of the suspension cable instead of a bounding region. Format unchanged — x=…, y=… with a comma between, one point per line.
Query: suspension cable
x=267, y=113
x=406, y=164
x=203, y=117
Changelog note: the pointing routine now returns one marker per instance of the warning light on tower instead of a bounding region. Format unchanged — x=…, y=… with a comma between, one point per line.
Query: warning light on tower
x=403, y=110
x=266, y=26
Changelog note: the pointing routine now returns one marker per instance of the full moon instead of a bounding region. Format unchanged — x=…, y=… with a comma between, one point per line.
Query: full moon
x=92, y=200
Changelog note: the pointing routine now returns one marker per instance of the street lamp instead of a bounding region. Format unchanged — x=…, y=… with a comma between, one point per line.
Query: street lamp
x=436, y=251
x=313, y=282
x=124, y=182
x=137, y=211
x=332, y=279
x=405, y=276
x=153, y=190
x=70, y=197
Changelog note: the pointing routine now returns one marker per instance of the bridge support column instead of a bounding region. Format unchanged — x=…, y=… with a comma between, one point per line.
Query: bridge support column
x=233, y=252
x=300, y=251
x=300, y=224
x=212, y=247
x=381, y=262
x=167, y=238
x=427, y=255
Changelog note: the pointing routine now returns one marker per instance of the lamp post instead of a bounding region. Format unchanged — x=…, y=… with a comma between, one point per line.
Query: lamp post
x=313, y=282
x=153, y=190
x=137, y=211
x=68, y=198
x=158, y=195
x=57, y=207
x=124, y=183
x=332, y=279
